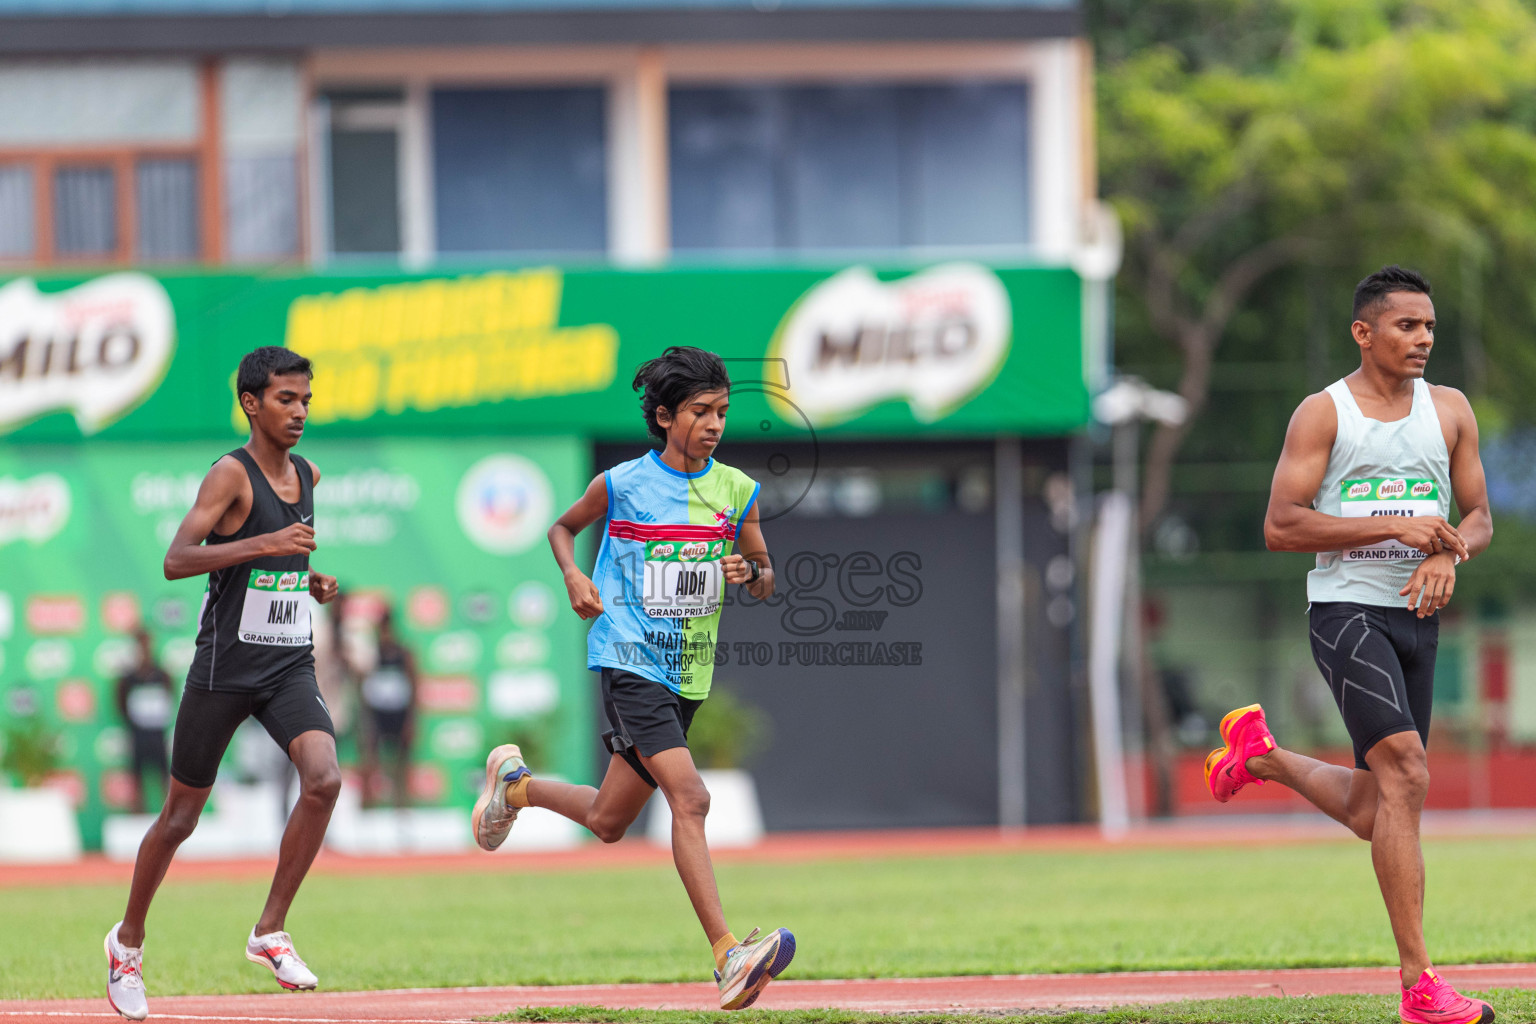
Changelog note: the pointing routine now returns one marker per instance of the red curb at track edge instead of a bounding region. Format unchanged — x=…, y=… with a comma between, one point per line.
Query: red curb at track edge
x=993, y=993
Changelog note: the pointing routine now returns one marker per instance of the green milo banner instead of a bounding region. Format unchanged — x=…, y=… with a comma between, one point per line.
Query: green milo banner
x=452, y=420
x=956, y=348
x=448, y=534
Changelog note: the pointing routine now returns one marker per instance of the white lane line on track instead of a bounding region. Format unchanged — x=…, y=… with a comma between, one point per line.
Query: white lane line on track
x=90, y=1014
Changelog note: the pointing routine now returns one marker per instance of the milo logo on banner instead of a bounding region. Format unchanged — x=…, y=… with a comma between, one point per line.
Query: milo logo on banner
x=33, y=509
x=96, y=350
x=934, y=338
x=1392, y=489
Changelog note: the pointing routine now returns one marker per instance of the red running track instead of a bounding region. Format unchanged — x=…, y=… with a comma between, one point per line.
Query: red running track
x=994, y=993
x=799, y=847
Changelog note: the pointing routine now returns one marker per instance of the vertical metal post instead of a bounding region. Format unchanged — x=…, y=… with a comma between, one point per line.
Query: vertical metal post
x=317, y=172
x=1008, y=499
x=1125, y=439
x=1113, y=540
x=418, y=211
x=639, y=224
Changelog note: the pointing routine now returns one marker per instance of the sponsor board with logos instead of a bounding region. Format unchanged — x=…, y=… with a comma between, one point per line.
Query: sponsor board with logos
x=93, y=351
x=498, y=658
x=954, y=348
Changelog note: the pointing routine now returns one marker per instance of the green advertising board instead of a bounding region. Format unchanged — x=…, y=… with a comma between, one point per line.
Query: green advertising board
x=450, y=534
x=952, y=349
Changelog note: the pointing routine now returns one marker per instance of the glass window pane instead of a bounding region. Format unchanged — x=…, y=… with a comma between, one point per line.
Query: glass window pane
x=84, y=211
x=365, y=191
x=166, y=198
x=723, y=143
x=262, y=206
x=870, y=167
x=17, y=216
x=968, y=159
x=841, y=168
x=520, y=170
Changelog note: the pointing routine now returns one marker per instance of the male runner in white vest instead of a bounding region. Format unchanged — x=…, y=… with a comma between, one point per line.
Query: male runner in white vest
x=1363, y=481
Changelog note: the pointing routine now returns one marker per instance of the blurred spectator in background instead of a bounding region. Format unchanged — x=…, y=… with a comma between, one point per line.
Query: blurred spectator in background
x=144, y=702
x=387, y=715
x=333, y=672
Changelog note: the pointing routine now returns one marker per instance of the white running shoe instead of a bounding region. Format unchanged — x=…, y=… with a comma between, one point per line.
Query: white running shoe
x=751, y=964
x=493, y=817
x=275, y=952
x=125, y=977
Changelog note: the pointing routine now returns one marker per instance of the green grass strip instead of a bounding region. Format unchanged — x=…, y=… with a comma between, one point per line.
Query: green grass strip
x=1047, y=912
x=1511, y=1005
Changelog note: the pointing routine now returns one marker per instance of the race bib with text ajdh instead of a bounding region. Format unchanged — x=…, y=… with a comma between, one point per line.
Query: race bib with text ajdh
x=682, y=578
x=276, y=611
x=1387, y=496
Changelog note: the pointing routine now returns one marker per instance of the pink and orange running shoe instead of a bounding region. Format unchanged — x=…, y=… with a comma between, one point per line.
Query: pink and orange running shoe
x=1432, y=1001
x=1245, y=735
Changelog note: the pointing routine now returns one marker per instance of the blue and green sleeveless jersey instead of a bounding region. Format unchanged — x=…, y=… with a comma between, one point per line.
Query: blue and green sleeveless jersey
x=658, y=570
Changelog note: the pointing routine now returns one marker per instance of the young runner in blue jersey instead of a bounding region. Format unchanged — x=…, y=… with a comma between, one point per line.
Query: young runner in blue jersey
x=655, y=593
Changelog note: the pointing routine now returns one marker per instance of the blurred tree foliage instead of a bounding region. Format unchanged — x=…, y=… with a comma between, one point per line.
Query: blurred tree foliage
x=1264, y=155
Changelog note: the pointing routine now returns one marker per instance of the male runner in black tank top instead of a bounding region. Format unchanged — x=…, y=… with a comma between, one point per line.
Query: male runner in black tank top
x=251, y=530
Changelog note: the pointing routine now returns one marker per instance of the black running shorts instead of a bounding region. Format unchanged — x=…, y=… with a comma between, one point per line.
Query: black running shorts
x=644, y=717
x=1380, y=664
x=208, y=719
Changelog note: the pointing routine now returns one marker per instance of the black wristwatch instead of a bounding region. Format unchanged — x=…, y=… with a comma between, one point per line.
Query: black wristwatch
x=757, y=571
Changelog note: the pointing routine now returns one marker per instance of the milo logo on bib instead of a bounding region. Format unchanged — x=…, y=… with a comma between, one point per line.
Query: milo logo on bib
x=1387, y=496
x=276, y=609
x=682, y=578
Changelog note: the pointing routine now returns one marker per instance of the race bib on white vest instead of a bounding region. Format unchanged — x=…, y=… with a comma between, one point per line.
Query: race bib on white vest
x=1387, y=496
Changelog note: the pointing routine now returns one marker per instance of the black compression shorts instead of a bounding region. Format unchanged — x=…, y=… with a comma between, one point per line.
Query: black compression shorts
x=208, y=719
x=644, y=717
x=1380, y=664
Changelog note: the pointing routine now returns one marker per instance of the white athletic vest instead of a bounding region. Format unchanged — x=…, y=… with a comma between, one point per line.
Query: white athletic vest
x=1379, y=469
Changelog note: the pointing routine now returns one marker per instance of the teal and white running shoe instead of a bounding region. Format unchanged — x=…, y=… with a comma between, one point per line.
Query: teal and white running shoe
x=493, y=816
x=751, y=964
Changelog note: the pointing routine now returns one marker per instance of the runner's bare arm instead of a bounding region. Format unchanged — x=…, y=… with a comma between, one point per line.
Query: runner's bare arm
x=322, y=588
x=1292, y=524
x=221, y=488
x=588, y=509
x=1434, y=579
x=1468, y=484
x=752, y=547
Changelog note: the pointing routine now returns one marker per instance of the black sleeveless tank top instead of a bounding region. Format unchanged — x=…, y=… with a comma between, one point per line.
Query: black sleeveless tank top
x=254, y=626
